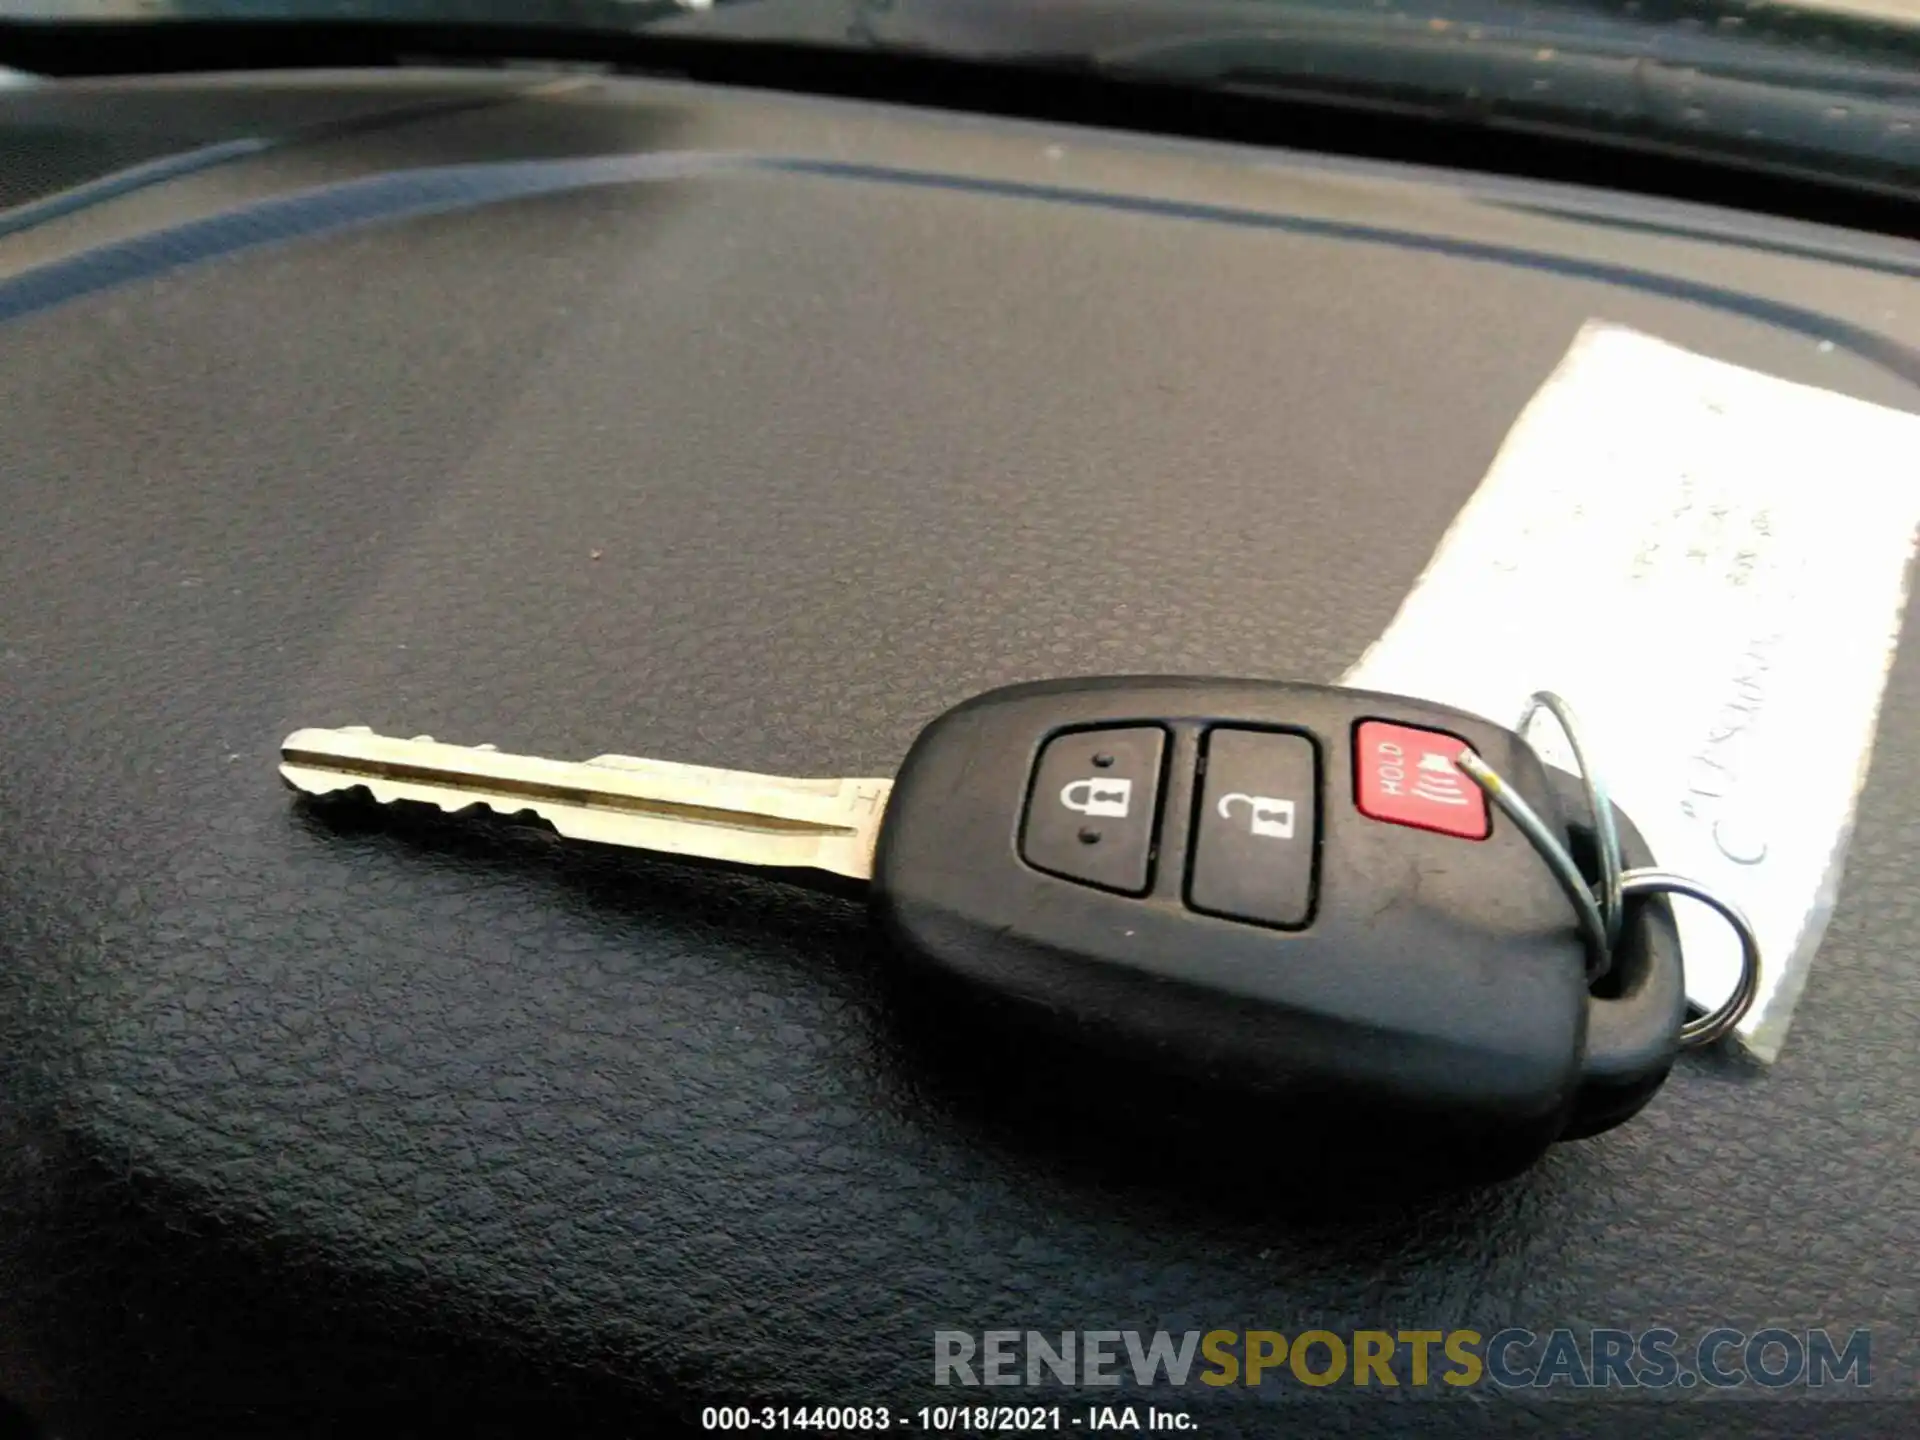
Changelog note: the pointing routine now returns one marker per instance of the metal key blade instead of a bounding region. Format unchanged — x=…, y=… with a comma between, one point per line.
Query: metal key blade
x=729, y=815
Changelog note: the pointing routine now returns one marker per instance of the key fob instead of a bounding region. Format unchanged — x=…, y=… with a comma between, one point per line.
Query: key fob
x=1280, y=886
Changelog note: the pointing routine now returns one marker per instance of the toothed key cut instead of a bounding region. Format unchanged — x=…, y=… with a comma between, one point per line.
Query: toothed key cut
x=727, y=815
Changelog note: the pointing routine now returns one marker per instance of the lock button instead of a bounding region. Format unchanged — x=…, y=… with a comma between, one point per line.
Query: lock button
x=1254, y=844
x=1090, y=814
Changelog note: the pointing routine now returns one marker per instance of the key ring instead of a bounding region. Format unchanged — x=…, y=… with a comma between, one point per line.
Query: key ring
x=1600, y=917
x=1606, y=836
x=1713, y=1025
x=1593, y=927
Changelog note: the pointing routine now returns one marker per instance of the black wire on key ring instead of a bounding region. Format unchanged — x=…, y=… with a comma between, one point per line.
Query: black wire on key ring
x=1601, y=917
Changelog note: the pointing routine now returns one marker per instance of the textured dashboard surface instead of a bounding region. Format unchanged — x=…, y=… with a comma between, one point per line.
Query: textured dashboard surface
x=763, y=464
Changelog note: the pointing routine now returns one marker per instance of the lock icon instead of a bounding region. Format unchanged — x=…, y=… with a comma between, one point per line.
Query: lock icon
x=1266, y=816
x=1109, y=798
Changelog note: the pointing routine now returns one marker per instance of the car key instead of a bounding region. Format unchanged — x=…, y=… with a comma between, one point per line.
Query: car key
x=1285, y=886
x=730, y=815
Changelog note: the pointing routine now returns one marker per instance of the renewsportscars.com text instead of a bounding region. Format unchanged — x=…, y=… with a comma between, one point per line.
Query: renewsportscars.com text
x=1600, y=1358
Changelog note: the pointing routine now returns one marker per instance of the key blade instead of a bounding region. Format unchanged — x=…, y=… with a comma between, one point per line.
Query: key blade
x=704, y=772
x=728, y=815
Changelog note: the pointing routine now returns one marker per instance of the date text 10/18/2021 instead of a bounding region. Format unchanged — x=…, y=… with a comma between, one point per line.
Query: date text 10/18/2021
x=947, y=1419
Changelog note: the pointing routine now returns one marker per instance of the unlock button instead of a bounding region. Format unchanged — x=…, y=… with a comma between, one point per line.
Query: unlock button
x=1253, y=848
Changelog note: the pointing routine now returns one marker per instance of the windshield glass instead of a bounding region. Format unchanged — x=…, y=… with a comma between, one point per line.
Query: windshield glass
x=1823, y=86
x=1062, y=26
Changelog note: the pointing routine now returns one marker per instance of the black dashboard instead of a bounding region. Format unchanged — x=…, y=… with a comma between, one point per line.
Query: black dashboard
x=576, y=413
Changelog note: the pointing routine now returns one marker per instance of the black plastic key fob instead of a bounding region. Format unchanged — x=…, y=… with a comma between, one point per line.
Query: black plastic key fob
x=1289, y=887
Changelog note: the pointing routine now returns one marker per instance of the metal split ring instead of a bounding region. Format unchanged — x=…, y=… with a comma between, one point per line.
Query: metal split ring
x=1713, y=1025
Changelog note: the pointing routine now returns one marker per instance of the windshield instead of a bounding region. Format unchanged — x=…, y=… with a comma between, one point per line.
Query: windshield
x=1824, y=87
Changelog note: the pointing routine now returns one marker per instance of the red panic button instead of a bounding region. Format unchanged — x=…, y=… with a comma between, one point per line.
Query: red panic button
x=1406, y=776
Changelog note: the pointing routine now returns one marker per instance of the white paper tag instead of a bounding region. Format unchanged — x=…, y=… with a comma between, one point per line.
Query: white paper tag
x=1710, y=565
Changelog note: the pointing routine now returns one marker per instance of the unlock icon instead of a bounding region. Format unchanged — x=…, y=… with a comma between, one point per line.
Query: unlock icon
x=1265, y=815
x=1098, y=797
